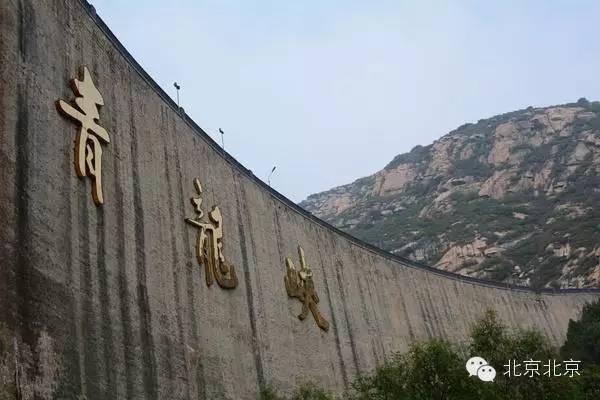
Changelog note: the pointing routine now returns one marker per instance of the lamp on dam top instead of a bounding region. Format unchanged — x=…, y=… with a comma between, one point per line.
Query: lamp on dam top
x=269, y=177
x=177, y=87
x=222, y=138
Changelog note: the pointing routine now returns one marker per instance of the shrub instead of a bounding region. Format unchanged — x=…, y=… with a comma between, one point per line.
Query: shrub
x=306, y=391
x=430, y=370
x=583, y=336
x=435, y=369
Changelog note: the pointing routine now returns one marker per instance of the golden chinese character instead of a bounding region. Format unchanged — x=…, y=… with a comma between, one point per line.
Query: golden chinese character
x=300, y=284
x=88, y=152
x=209, y=244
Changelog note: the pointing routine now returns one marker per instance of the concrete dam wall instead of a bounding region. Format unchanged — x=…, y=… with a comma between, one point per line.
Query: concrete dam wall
x=114, y=285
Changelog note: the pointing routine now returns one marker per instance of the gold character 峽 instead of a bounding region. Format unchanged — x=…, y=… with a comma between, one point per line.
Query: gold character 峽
x=209, y=244
x=88, y=152
x=300, y=284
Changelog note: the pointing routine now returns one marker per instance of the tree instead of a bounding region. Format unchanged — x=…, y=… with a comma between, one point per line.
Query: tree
x=583, y=336
x=430, y=370
x=306, y=391
x=435, y=369
x=583, y=343
x=498, y=346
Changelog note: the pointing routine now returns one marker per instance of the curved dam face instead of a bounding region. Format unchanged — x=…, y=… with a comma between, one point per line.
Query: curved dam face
x=115, y=285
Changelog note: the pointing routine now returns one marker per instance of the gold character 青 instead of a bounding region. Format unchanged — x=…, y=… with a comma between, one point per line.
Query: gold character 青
x=88, y=150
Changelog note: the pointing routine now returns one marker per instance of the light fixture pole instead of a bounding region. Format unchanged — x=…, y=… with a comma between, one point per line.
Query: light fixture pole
x=269, y=177
x=222, y=138
x=177, y=87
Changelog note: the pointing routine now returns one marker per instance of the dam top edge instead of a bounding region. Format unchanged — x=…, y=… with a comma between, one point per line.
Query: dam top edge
x=289, y=203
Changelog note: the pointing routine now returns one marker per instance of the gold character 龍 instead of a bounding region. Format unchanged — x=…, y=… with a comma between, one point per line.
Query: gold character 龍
x=209, y=244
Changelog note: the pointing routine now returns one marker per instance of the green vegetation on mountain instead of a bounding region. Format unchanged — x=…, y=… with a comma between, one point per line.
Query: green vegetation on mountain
x=511, y=198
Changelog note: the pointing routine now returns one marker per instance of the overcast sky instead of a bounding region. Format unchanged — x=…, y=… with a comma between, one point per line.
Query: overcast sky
x=330, y=91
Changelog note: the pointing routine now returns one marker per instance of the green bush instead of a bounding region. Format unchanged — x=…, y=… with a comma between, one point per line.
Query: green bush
x=583, y=336
x=492, y=341
x=306, y=391
x=435, y=369
x=471, y=167
x=431, y=370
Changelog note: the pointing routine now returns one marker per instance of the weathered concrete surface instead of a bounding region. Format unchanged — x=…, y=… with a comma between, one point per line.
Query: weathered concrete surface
x=117, y=289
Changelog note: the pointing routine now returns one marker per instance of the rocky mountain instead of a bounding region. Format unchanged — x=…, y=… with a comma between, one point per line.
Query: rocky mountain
x=513, y=198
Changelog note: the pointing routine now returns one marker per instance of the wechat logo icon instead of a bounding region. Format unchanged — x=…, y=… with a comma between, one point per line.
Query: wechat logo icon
x=477, y=366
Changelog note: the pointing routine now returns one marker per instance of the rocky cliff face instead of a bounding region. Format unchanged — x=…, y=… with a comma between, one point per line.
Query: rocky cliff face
x=513, y=198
